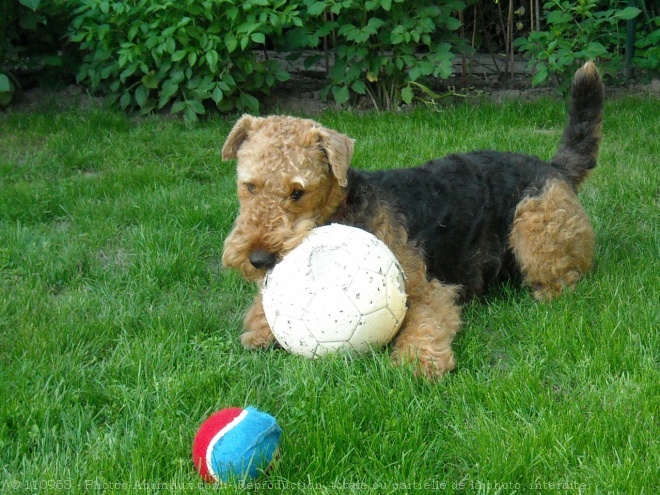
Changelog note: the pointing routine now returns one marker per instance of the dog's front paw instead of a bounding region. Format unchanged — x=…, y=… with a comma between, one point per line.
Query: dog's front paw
x=257, y=333
x=256, y=339
x=428, y=363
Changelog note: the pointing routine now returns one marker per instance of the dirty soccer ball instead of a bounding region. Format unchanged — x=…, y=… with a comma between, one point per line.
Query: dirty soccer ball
x=340, y=289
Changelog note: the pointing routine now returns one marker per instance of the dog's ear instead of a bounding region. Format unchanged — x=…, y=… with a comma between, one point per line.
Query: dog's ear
x=339, y=149
x=237, y=136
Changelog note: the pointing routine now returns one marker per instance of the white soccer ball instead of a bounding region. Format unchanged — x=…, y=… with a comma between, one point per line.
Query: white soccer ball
x=340, y=289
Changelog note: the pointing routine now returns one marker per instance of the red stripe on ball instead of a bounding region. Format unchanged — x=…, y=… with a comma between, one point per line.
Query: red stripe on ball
x=205, y=434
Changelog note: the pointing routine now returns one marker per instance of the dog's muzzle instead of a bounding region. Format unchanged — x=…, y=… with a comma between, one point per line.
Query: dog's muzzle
x=262, y=260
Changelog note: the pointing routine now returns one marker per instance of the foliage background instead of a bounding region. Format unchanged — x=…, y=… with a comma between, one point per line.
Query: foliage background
x=191, y=56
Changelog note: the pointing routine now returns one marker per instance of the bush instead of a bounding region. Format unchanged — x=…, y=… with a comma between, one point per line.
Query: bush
x=647, y=53
x=576, y=32
x=185, y=53
x=382, y=48
x=32, y=44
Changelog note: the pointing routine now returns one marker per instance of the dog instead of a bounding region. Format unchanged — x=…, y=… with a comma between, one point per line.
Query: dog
x=457, y=225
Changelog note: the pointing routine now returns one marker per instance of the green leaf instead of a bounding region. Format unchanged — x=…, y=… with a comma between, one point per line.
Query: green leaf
x=397, y=35
x=169, y=89
x=594, y=50
x=559, y=17
x=178, y=107
x=177, y=75
x=128, y=71
x=132, y=31
x=258, y=38
x=125, y=100
x=232, y=13
x=246, y=101
x=316, y=8
x=184, y=22
x=628, y=13
x=192, y=58
x=189, y=116
x=452, y=23
x=540, y=76
x=407, y=95
x=374, y=24
x=341, y=94
x=217, y=95
x=5, y=84
x=151, y=80
x=196, y=106
x=282, y=75
x=32, y=4
x=359, y=87
x=231, y=42
x=565, y=60
x=229, y=79
x=212, y=59
x=444, y=69
x=178, y=55
x=141, y=95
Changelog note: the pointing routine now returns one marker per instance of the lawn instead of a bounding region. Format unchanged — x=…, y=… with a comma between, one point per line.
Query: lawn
x=119, y=328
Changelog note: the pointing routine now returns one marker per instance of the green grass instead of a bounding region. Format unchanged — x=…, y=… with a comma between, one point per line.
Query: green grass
x=119, y=328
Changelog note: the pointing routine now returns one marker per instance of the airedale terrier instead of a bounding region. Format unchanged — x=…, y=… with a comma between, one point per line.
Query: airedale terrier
x=457, y=224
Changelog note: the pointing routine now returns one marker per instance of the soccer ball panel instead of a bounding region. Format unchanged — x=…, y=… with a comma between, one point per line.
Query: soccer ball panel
x=375, y=330
x=287, y=298
x=371, y=253
x=330, y=267
x=332, y=317
x=368, y=291
x=292, y=334
x=285, y=291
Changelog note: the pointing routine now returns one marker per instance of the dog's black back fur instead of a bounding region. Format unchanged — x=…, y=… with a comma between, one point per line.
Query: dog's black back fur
x=459, y=209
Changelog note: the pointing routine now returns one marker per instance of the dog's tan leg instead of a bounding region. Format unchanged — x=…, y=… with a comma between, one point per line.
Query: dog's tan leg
x=257, y=331
x=433, y=315
x=432, y=321
x=552, y=240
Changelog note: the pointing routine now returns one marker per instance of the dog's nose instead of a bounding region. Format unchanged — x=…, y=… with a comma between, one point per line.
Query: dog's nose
x=261, y=259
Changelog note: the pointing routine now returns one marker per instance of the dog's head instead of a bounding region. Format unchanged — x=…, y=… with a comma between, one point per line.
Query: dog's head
x=291, y=177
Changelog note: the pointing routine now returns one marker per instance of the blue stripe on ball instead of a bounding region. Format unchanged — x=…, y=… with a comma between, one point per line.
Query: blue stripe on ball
x=246, y=447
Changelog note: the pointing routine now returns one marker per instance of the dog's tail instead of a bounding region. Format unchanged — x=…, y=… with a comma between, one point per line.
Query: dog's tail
x=578, y=149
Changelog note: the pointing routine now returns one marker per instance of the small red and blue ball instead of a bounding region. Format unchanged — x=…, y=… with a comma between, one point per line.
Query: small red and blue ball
x=236, y=444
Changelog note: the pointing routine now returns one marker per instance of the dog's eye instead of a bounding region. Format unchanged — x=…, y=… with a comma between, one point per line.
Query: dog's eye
x=296, y=194
x=251, y=188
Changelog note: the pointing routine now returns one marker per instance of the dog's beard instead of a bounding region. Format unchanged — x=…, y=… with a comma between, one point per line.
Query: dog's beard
x=279, y=241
